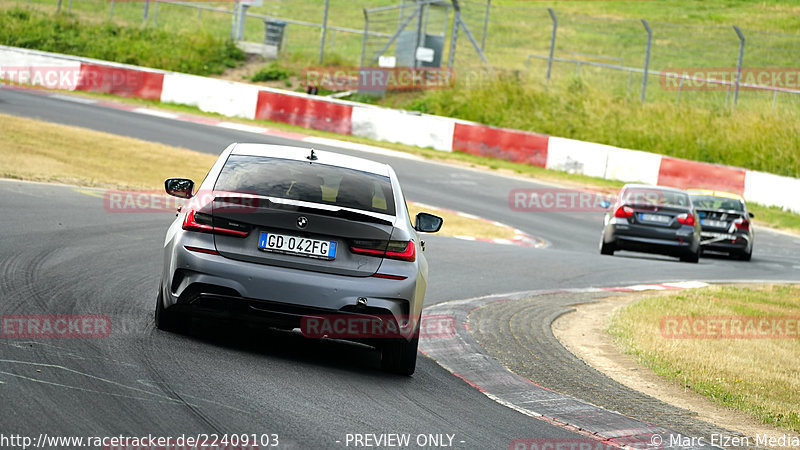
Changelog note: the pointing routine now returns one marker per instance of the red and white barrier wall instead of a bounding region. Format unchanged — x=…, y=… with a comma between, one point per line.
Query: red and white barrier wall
x=248, y=101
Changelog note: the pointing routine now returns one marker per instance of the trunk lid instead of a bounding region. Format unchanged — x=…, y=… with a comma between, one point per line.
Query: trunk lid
x=300, y=224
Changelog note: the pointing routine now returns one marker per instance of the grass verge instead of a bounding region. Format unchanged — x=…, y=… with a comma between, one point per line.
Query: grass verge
x=579, y=109
x=191, y=51
x=755, y=375
x=38, y=151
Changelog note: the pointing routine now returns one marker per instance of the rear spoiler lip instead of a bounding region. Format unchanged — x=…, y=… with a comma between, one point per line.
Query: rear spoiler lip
x=316, y=208
x=727, y=211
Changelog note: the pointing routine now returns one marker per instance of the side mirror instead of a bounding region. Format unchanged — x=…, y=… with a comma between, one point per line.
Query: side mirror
x=428, y=223
x=750, y=214
x=179, y=187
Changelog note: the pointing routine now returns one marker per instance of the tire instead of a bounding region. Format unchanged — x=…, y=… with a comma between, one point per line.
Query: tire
x=165, y=320
x=399, y=356
x=746, y=255
x=606, y=249
x=691, y=257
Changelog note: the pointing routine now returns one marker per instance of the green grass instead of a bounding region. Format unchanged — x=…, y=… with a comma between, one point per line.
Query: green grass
x=774, y=216
x=758, y=140
x=196, y=52
x=750, y=375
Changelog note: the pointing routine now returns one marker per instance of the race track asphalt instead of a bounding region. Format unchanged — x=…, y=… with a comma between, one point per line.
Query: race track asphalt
x=63, y=253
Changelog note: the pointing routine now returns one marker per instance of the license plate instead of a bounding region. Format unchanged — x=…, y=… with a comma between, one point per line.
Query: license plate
x=718, y=236
x=714, y=223
x=294, y=245
x=658, y=218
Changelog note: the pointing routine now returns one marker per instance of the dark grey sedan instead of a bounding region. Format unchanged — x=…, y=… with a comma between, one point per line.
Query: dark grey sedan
x=295, y=238
x=652, y=219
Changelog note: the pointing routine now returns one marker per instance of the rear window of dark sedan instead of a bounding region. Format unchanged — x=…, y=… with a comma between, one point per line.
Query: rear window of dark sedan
x=644, y=196
x=308, y=182
x=711, y=202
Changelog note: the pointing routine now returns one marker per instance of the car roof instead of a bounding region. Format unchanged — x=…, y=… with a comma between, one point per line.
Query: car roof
x=302, y=154
x=721, y=194
x=652, y=186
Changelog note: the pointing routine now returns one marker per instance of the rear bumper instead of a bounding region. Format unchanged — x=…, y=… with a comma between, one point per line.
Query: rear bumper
x=213, y=285
x=654, y=246
x=666, y=241
x=725, y=242
x=207, y=304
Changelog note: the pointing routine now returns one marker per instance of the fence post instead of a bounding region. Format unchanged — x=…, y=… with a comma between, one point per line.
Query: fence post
x=324, y=31
x=485, y=24
x=155, y=14
x=146, y=10
x=552, y=42
x=241, y=21
x=69, y=6
x=234, y=20
x=738, y=65
x=646, y=57
x=418, y=40
x=111, y=13
x=454, y=35
x=364, y=38
x=58, y=8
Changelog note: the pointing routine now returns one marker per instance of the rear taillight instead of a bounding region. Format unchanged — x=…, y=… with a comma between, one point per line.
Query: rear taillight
x=623, y=212
x=686, y=219
x=402, y=250
x=201, y=250
x=196, y=221
x=742, y=223
x=389, y=277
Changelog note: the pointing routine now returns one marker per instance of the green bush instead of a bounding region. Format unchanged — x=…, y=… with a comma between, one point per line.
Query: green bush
x=195, y=52
x=272, y=72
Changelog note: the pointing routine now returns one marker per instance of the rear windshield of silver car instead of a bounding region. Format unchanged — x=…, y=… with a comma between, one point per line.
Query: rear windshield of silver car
x=308, y=182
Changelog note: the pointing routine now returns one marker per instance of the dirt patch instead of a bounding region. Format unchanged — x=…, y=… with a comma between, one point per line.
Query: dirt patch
x=583, y=333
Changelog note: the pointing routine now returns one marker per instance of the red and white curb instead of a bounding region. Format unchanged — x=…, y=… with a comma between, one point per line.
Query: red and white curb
x=220, y=123
x=463, y=356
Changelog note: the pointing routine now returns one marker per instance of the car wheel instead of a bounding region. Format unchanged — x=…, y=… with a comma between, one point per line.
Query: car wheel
x=165, y=320
x=691, y=257
x=400, y=356
x=746, y=255
x=606, y=249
